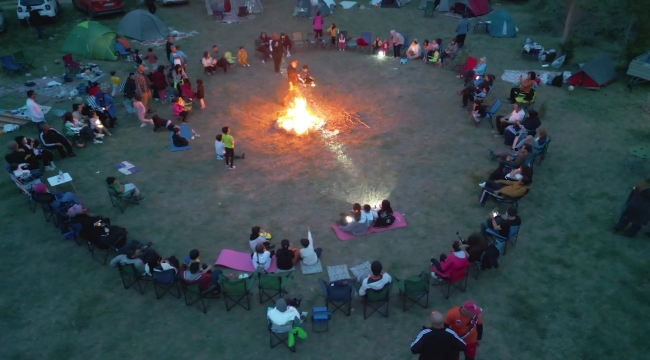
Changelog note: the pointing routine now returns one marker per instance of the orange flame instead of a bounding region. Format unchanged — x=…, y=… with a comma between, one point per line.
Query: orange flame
x=299, y=119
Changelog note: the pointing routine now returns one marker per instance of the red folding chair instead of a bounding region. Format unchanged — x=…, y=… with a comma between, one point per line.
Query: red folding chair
x=71, y=67
x=471, y=63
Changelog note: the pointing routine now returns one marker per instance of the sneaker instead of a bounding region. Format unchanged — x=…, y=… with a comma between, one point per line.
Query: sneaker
x=497, y=135
x=97, y=141
x=248, y=65
x=232, y=167
x=482, y=184
x=49, y=168
x=227, y=165
x=433, y=275
x=99, y=136
x=263, y=62
x=52, y=165
x=109, y=134
x=143, y=125
x=288, y=54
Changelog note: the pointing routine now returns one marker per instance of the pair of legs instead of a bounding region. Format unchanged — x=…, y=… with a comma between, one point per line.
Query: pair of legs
x=514, y=92
x=624, y=221
x=183, y=115
x=318, y=33
x=498, y=172
x=502, y=123
x=265, y=52
x=146, y=96
x=277, y=60
x=162, y=95
x=64, y=145
x=209, y=69
x=131, y=188
x=467, y=77
x=460, y=40
x=411, y=55
x=397, y=50
x=436, y=262
x=490, y=186
x=230, y=157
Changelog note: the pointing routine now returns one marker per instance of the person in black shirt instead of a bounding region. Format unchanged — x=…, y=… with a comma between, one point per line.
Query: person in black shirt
x=502, y=224
x=292, y=76
x=436, y=342
x=178, y=140
x=36, y=21
x=286, y=256
x=168, y=47
x=277, y=51
x=54, y=140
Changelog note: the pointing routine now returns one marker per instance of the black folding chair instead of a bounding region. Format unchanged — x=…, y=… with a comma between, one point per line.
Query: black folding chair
x=165, y=281
x=376, y=300
x=130, y=277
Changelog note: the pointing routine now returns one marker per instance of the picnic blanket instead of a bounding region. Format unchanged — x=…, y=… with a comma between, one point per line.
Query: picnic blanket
x=338, y=272
x=185, y=132
x=344, y=236
x=362, y=269
x=311, y=269
x=512, y=76
x=241, y=261
x=126, y=168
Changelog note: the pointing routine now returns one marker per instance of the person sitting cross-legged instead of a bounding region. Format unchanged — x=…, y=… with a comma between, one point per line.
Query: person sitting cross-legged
x=501, y=223
x=448, y=264
x=308, y=254
x=121, y=189
x=384, y=215
x=177, y=139
x=513, y=189
x=262, y=257
x=258, y=236
x=375, y=281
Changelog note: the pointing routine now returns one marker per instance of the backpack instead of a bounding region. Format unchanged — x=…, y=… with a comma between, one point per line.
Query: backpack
x=557, y=81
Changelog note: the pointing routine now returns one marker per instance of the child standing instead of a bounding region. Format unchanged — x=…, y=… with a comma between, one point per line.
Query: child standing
x=137, y=57
x=115, y=82
x=152, y=58
x=219, y=147
x=200, y=92
x=333, y=33
x=384, y=47
x=229, y=144
x=341, y=42
x=242, y=57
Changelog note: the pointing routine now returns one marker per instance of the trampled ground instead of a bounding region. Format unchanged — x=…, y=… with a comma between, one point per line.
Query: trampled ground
x=570, y=289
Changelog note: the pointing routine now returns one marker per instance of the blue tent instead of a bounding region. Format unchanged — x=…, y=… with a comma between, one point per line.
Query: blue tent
x=501, y=24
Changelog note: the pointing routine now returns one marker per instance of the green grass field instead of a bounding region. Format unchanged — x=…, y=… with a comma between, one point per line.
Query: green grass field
x=565, y=291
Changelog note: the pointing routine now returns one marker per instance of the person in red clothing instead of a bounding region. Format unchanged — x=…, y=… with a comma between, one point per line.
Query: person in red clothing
x=159, y=81
x=206, y=278
x=456, y=261
x=466, y=321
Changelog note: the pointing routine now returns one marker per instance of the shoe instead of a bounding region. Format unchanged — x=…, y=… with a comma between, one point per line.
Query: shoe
x=227, y=165
x=72, y=155
x=52, y=165
x=248, y=65
x=143, y=125
x=96, y=141
x=497, y=135
x=232, y=167
x=109, y=134
x=494, y=132
x=141, y=199
x=49, y=168
x=99, y=136
x=433, y=275
x=482, y=184
x=288, y=54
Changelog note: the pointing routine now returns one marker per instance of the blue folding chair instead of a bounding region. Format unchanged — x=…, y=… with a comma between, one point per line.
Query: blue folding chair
x=120, y=50
x=492, y=111
x=503, y=241
x=9, y=66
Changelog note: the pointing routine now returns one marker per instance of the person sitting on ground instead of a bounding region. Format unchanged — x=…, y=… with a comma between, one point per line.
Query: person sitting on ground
x=501, y=224
x=414, y=51
x=475, y=245
x=121, y=190
x=53, y=139
x=502, y=122
x=376, y=45
x=525, y=85
x=177, y=139
x=374, y=281
x=479, y=70
x=449, y=264
x=308, y=254
x=450, y=52
x=159, y=122
x=262, y=257
x=222, y=63
x=207, y=278
x=357, y=221
x=287, y=256
x=29, y=146
x=259, y=236
x=179, y=111
x=304, y=76
x=384, y=215
x=285, y=312
x=513, y=189
x=208, y=63
x=428, y=49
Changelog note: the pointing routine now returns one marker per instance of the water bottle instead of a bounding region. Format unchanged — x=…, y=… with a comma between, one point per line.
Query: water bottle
x=44, y=68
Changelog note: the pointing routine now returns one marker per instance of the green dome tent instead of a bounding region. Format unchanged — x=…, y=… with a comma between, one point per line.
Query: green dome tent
x=91, y=40
x=501, y=24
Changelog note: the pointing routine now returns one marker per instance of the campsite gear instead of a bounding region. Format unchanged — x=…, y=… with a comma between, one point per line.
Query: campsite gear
x=91, y=40
x=639, y=70
x=304, y=8
x=501, y=24
x=557, y=63
x=471, y=8
x=403, y=61
x=594, y=74
x=142, y=26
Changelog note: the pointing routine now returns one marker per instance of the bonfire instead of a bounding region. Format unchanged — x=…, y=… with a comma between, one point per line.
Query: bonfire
x=298, y=119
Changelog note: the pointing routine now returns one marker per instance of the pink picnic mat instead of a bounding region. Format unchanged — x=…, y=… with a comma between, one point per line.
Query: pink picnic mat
x=344, y=236
x=241, y=261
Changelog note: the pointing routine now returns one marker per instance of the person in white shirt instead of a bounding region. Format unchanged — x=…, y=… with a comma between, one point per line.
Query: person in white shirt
x=376, y=280
x=283, y=313
x=208, y=63
x=141, y=111
x=359, y=222
x=503, y=122
x=21, y=171
x=414, y=51
x=261, y=257
x=34, y=110
x=308, y=254
x=220, y=148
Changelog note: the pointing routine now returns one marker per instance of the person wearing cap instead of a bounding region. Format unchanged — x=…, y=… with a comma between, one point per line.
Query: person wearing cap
x=436, y=342
x=502, y=224
x=466, y=322
x=375, y=281
x=284, y=311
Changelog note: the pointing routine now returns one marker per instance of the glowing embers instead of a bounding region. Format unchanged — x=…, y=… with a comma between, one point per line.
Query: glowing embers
x=298, y=119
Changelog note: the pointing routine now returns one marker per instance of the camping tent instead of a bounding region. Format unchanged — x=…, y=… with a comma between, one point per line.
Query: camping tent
x=91, y=40
x=470, y=7
x=594, y=74
x=501, y=24
x=253, y=6
x=391, y=3
x=142, y=25
x=305, y=8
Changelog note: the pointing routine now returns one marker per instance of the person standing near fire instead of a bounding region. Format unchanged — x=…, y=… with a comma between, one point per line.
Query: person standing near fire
x=292, y=76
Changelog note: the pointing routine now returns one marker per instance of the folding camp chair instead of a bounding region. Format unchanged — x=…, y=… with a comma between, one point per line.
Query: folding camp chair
x=270, y=285
x=130, y=277
x=376, y=300
x=70, y=231
x=339, y=294
x=71, y=67
x=279, y=334
x=193, y=294
x=236, y=291
x=527, y=101
x=25, y=186
x=21, y=60
x=430, y=10
x=513, y=235
x=120, y=50
x=542, y=152
x=502, y=198
x=122, y=200
x=414, y=289
x=469, y=65
x=458, y=278
x=105, y=247
x=488, y=114
x=459, y=61
x=164, y=282
x=298, y=40
x=367, y=41
x=9, y=66
x=49, y=213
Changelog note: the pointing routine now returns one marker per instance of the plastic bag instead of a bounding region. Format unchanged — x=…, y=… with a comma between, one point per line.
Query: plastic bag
x=558, y=62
